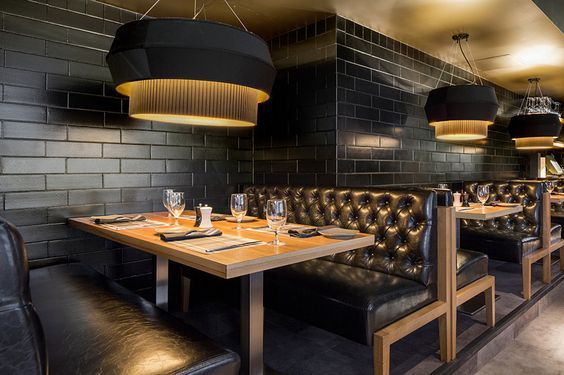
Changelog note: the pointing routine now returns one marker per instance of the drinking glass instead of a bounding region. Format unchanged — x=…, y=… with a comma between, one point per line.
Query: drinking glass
x=239, y=206
x=443, y=186
x=176, y=205
x=276, y=216
x=549, y=186
x=483, y=193
x=166, y=193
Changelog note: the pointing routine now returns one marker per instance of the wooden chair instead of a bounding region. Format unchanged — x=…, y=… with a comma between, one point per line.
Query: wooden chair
x=484, y=285
x=544, y=253
x=441, y=309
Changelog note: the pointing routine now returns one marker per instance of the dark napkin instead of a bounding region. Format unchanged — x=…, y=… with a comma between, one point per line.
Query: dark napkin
x=117, y=219
x=193, y=233
x=308, y=232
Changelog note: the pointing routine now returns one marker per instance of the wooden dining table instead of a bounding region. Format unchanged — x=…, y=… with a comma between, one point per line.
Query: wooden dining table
x=247, y=263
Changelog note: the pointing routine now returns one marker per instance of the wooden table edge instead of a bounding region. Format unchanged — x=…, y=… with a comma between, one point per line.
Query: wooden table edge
x=227, y=271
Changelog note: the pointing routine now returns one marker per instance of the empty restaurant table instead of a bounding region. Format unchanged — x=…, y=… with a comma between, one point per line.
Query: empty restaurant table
x=280, y=186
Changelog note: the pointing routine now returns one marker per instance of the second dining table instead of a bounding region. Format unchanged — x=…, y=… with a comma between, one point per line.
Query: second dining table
x=246, y=261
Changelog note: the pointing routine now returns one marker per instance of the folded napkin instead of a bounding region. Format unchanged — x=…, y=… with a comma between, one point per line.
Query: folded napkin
x=108, y=219
x=193, y=233
x=308, y=232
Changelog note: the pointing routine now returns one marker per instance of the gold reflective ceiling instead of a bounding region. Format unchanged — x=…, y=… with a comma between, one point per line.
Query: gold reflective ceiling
x=511, y=40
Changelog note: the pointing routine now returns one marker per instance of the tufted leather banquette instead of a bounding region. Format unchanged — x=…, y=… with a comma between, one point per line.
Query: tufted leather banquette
x=88, y=324
x=509, y=237
x=357, y=292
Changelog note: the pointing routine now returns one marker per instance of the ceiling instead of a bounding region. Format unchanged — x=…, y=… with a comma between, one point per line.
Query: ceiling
x=511, y=40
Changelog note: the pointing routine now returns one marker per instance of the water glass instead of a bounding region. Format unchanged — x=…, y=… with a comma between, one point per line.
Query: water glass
x=176, y=204
x=239, y=206
x=166, y=193
x=276, y=216
x=483, y=193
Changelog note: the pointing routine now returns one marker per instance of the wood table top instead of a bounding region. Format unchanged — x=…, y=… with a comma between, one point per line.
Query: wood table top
x=486, y=213
x=228, y=263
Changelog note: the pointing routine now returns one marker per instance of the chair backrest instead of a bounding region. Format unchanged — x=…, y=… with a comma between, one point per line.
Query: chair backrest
x=23, y=344
x=401, y=220
x=526, y=192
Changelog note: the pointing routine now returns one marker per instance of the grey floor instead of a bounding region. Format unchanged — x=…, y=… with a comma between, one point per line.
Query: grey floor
x=537, y=350
x=295, y=347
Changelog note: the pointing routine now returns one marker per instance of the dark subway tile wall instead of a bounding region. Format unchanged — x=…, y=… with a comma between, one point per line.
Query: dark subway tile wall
x=68, y=148
x=347, y=109
x=295, y=140
x=382, y=134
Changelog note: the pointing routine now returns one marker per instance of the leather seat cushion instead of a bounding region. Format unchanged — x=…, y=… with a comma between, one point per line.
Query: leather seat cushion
x=95, y=326
x=505, y=245
x=351, y=301
x=470, y=266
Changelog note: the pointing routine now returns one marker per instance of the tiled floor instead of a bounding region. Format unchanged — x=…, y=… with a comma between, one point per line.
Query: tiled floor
x=295, y=347
x=537, y=350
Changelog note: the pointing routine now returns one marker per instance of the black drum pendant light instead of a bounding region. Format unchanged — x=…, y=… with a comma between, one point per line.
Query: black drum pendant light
x=189, y=71
x=461, y=112
x=538, y=123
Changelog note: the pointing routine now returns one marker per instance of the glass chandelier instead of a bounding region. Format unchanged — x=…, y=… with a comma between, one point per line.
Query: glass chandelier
x=538, y=122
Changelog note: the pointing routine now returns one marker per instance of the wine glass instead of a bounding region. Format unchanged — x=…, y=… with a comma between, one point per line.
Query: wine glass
x=443, y=186
x=239, y=206
x=483, y=193
x=276, y=216
x=549, y=186
x=176, y=204
x=166, y=193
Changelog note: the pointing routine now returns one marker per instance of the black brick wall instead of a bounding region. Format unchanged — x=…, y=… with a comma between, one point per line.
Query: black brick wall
x=383, y=135
x=342, y=84
x=68, y=148
x=295, y=140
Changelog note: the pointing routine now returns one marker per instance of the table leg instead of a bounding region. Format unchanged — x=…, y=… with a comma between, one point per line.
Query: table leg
x=161, y=290
x=252, y=324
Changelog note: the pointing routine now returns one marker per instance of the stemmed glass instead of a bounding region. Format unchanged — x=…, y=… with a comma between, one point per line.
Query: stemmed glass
x=176, y=204
x=483, y=193
x=166, y=194
x=276, y=216
x=239, y=206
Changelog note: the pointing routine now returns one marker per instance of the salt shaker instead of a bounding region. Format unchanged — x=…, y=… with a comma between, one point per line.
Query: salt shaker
x=457, y=201
x=206, y=217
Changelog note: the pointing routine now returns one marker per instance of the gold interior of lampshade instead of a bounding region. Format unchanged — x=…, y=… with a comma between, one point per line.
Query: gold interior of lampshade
x=193, y=102
x=461, y=130
x=534, y=143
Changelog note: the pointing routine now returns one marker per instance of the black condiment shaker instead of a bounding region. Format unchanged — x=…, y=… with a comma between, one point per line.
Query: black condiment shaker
x=465, y=199
x=198, y=215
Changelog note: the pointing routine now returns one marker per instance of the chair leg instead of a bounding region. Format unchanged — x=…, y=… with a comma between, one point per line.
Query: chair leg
x=527, y=269
x=447, y=337
x=546, y=277
x=490, y=305
x=381, y=355
x=562, y=259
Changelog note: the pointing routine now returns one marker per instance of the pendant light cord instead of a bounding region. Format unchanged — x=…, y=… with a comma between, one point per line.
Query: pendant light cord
x=474, y=61
x=150, y=9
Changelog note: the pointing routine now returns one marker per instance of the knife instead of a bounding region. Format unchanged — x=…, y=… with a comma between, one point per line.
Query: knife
x=233, y=246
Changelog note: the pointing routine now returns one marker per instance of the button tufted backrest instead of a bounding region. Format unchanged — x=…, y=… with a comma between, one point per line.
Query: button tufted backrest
x=527, y=193
x=400, y=219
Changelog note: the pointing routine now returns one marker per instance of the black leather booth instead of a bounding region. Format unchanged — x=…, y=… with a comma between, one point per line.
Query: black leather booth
x=357, y=292
x=83, y=323
x=509, y=237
